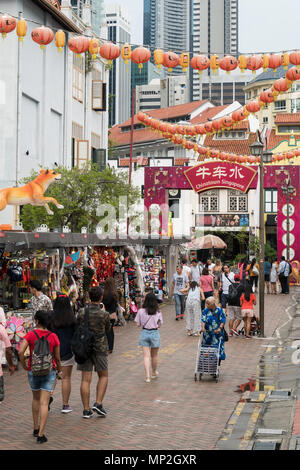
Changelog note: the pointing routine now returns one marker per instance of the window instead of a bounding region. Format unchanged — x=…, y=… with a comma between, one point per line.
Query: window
x=99, y=158
x=288, y=129
x=209, y=201
x=78, y=78
x=271, y=201
x=265, y=119
x=295, y=104
x=237, y=201
x=174, y=208
x=98, y=95
x=280, y=105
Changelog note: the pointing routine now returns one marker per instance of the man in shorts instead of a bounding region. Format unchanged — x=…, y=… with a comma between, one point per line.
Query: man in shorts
x=99, y=323
x=234, y=308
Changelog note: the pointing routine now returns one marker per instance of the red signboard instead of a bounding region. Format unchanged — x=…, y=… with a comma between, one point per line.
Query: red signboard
x=212, y=175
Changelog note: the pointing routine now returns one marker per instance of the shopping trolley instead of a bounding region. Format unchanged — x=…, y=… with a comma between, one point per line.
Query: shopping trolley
x=207, y=362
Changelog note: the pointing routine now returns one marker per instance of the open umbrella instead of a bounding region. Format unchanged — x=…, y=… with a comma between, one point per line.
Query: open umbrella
x=207, y=242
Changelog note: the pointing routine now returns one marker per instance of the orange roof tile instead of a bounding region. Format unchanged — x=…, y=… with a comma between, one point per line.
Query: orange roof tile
x=286, y=118
x=209, y=113
x=237, y=146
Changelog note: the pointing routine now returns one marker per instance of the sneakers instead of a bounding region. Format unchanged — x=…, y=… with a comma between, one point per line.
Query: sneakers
x=235, y=332
x=177, y=317
x=182, y=316
x=99, y=409
x=154, y=376
x=87, y=414
x=36, y=432
x=66, y=409
x=41, y=439
x=248, y=337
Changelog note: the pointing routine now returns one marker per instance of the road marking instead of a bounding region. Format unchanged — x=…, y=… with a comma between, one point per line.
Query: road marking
x=251, y=426
x=163, y=401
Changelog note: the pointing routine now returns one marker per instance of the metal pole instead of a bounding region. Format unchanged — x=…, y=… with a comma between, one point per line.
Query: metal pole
x=261, y=248
x=288, y=222
x=131, y=134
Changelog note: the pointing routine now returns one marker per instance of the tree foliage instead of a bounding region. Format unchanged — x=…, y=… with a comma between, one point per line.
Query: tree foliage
x=80, y=191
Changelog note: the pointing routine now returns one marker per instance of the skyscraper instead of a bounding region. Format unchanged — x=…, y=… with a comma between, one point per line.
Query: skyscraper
x=168, y=25
x=119, y=32
x=215, y=31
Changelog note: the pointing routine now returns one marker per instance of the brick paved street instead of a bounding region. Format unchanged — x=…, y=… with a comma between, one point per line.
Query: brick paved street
x=172, y=412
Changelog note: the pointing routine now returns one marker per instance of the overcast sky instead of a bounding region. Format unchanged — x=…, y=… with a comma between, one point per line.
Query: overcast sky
x=264, y=25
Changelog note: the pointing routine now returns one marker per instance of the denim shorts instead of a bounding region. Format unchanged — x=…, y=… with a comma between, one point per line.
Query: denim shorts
x=149, y=338
x=43, y=382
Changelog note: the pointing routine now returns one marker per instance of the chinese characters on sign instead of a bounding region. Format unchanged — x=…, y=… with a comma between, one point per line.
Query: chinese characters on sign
x=220, y=175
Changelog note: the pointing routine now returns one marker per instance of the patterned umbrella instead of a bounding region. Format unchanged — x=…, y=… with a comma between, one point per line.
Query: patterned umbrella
x=207, y=242
x=15, y=330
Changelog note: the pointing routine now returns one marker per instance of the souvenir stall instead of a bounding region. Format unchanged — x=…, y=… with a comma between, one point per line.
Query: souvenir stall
x=154, y=270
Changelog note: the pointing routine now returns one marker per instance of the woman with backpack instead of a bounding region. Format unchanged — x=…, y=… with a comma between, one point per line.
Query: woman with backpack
x=150, y=319
x=247, y=301
x=63, y=324
x=43, y=365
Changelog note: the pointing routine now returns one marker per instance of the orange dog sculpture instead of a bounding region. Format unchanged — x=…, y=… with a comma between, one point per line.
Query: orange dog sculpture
x=32, y=192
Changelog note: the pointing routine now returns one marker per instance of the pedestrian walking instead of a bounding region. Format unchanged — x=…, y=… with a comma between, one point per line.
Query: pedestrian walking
x=212, y=326
x=274, y=277
x=196, y=271
x=4, y=339
x=63, y=324
x=110, y=301
x=227, y=278
x=247, y=301
x=193, y=309
x=99, y=324
x=186, y=268
x=207, y=285
x=253, y=270
x=179, y=283
x=217, y=274
x=150, y=319
x=39, y=301
x=45, y=359
x=267, y=270
x=210, y=265
x=283, y=274
x=234, y=306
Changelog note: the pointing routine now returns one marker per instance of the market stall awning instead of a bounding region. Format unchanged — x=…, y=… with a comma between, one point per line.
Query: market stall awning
x=14, y=241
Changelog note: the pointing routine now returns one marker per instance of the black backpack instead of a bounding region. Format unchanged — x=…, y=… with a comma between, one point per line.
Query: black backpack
x=41, y=359
x=83, y=340
x=232, y=291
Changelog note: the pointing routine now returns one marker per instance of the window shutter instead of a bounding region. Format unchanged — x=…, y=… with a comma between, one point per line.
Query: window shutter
x=82, y=153
x=98, y=95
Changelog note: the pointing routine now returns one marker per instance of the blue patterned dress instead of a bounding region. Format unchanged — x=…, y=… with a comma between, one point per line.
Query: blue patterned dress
x=212, y=322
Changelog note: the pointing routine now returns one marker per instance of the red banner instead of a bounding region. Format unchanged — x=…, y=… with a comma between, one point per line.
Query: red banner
x=213, y=175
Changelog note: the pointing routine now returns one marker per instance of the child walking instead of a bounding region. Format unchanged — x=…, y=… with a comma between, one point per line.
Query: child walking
x=247, y=300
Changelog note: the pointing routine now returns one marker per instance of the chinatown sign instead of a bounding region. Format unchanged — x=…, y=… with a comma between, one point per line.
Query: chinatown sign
x=213, y=175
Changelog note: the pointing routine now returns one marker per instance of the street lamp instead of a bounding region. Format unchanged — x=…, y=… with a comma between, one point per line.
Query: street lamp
x=288, y=190
x=257, y=149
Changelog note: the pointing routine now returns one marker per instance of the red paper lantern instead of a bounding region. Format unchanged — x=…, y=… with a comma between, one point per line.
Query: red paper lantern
x=282, y=85
x=289, y=155
x=172, y=129
x=7, y=24
x=140, y=56
x=267, y=96
x=208, y=127
x=43, y=36
x=228, y=63
x=200, y=63
x=200, y=129
x=162, y=127
x=293, y=74
x=155, y=124
x=189, y=145
x=238, y=115
x=170, y=60
x=297, y=153
x=202, y=150
x=295, y=58
x=227, y=122
x=79, y=44
x=180, y=129
x=253, y=107
x=141, y=116
x=217, y=124
x=214, y=153
x=110, y=52
x=254, y=63
x=178, y=139
x=275, y=61
x=190, y=130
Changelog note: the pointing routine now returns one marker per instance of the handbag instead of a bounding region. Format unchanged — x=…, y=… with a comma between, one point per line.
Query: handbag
x=255, y=271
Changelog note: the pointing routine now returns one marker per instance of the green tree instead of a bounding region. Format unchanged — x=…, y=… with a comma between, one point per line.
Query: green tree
x=80, y=192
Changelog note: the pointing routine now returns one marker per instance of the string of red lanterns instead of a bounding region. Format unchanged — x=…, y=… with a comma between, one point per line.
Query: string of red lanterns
x=110, y=51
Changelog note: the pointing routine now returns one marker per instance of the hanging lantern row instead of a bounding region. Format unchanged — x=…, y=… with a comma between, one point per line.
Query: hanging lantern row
x=208, y=153
x=109, y=51
x=228, y=122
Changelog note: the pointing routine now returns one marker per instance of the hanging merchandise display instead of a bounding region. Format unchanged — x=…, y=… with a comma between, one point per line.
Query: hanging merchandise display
x=154, y=271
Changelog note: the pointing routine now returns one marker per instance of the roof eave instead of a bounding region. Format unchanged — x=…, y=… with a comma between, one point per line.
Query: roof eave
x=58, y=16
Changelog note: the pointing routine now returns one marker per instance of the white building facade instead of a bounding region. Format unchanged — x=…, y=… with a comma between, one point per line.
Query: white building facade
x=46, y=99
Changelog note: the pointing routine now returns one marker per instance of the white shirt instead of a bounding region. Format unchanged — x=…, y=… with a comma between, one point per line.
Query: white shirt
x=226, y=282
x=186, y=270
x=210, y=267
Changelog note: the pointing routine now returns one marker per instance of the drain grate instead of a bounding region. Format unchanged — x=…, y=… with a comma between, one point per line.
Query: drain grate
x=266, y=445
x=280, y=393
